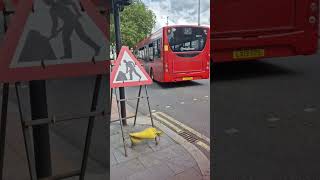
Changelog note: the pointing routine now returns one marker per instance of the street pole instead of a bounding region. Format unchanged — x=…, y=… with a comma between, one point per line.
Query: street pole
x=199, y=13
x=116, y=15
x=41, y=137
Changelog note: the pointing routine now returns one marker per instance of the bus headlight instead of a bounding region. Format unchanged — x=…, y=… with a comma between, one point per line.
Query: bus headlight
x=312, y=20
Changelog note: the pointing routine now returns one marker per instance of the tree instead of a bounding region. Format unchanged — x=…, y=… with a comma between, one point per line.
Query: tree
x=137, y=22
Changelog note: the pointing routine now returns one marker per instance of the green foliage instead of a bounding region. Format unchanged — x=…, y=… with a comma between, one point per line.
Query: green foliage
x=137, y=22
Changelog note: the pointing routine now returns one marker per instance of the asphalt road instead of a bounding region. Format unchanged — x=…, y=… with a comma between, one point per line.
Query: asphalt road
x=266, y=119
x=187, y=102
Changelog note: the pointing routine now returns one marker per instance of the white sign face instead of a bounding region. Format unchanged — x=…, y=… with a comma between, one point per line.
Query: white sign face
x=128, y=71
x=59, y=32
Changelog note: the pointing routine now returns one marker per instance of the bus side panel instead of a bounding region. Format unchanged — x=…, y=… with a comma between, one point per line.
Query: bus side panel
x=166, y=60
x=160, y=64
x=157, y=66
x=297, y=35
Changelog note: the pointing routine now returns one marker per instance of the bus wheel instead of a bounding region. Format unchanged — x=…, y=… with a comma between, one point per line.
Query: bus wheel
x=151, y=74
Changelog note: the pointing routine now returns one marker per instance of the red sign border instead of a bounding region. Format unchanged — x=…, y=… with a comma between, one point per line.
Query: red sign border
x=116, y=67
x=2, y=5
x=11, y=40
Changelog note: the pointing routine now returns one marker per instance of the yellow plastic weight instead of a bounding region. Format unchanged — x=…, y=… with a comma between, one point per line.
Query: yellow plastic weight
x=149, y=133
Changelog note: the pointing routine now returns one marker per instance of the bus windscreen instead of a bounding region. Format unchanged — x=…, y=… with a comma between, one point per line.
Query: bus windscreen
x=186, y=39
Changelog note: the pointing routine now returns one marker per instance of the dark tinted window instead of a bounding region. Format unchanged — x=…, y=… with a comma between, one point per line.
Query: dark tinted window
x=185, y=39
x=157, y=50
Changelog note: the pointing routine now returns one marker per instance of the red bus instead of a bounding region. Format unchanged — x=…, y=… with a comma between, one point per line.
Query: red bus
x=176, y=53
x=251, y=29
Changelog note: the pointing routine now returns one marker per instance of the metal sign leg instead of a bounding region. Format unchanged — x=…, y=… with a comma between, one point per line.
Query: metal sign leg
x=150, y=113
x=137, y=107
x=4, y=113
x=111, y=94
x=147, y=96
x=121, y=125
x=28, y=139
x=90, y=126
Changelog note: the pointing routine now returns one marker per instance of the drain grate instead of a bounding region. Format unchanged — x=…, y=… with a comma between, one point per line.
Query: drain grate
x=188, y=136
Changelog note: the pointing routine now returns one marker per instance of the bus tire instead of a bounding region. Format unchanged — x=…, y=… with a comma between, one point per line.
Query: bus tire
x=151, y=74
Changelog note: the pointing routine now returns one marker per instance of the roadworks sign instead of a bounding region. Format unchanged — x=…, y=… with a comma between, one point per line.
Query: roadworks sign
x=127, y=71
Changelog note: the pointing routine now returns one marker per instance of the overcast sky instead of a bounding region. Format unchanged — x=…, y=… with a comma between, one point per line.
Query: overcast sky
x=179, y=11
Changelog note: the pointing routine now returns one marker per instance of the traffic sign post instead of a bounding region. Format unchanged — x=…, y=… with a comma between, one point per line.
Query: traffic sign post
x=117, y=6
x=3, y=126
x=41, y=136
x=4, y=106
x=127, y=71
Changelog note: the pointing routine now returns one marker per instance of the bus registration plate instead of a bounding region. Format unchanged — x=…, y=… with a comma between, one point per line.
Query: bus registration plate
x=248, y=53
x=187, y=78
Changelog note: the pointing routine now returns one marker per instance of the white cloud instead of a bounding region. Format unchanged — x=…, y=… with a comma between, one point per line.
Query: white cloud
x=179, y=11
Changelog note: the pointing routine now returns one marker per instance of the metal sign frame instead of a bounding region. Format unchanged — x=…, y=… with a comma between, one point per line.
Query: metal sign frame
x=27, y=127
x=120, y=119
x=137, y=63
x=10, y=42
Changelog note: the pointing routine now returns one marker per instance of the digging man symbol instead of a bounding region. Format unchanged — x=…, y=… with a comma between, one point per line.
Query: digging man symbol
x=130, y=68
x=61, y=9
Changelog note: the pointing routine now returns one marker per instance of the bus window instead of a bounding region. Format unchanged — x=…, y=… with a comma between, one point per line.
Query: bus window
x=141, y=52
x=151, y=52
x=182, y=39
x=157, y=51
x=145, y=56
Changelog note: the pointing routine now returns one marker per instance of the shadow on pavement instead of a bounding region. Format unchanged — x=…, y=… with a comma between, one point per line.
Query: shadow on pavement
x=246, y=70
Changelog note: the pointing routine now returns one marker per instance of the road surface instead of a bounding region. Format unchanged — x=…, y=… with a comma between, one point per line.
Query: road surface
x=267, y=119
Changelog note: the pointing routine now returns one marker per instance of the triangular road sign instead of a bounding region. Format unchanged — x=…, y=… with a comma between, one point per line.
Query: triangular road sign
x=51, y=39
x=127, y=71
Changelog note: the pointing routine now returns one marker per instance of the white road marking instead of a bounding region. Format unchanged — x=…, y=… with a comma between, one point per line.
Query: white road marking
x=203, y=145
x=201, y=136
x=273, y=119
x=231, y=131
x=175, y=128
x=310, y=109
